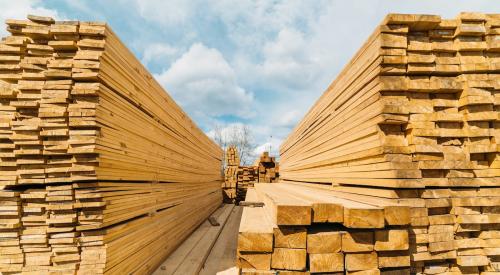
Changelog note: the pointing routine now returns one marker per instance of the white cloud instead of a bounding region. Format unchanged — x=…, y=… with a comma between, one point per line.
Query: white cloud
x=249, y=22
x=272, y=48
x=19, y=9
x=158, y=53
x=226, y=131
x=288, y=118
x=204, y=83
x=271, y=146
x=170, y=13
x=261, y=137
x=288, y=63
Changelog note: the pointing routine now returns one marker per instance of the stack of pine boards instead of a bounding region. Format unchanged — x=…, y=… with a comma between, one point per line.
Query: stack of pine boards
x=268, y=168
x=101, y=171
x=237, y=178
x=232, y=160
x=302, y=229
x=247, y=176
x=414, y=119
x=232, y=156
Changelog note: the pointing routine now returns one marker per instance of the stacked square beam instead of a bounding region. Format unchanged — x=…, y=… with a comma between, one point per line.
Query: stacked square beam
x=307, y=230
x=268, y=168
x=237, y=179
x=247, y=176
x=231, y=173
x=414, y=119
x=95, y=155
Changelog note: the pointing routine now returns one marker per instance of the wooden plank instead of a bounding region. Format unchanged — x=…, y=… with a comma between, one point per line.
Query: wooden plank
x=284, y=208
x=180, y=258
x=289, y=258
x=255, y=236
x=326, y=262
x=193, y=263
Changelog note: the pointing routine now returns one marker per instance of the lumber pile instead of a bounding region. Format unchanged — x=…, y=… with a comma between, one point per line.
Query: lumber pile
x=241, y=177
x=268, y=168
x=247, y=176
x=237, y=178
x=230, y=183
x=101, y=171
x=414, y=119
x=417, y=106
x=304, y=229
x=232, y=156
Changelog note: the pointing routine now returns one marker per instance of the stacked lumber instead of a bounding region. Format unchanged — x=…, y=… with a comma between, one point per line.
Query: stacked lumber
x=414, y=119
x=231, y=173
x=268, y=168
x=459, y=231
x=230, y=182
x=101, y=171
x=417, y=106
x=306, y=230
x=237, y=180
x=232, y=156
x=11, y=256
x=247, y=176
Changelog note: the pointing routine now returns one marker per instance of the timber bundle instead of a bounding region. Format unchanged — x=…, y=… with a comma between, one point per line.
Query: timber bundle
x=247, y=176
x=101, y=171
x=411, y=122
x=302, y=228
x=268, y=168
x=231, y=173
x=237, y=178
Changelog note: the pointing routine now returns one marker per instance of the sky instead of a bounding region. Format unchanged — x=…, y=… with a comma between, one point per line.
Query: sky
x=257, y=63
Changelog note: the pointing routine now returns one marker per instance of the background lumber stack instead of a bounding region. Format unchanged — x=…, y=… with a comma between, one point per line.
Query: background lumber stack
x=304, y=229
x=232, y=156
x=231, y=173
x=247, y=176
x=236, y=178
x=101, y=171
x=268, y=168
x=414, y=119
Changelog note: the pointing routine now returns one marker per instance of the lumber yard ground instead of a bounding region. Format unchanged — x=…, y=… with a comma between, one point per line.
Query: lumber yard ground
x=211, y=249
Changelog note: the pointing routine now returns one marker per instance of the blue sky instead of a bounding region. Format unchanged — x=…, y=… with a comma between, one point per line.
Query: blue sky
x=259, y=63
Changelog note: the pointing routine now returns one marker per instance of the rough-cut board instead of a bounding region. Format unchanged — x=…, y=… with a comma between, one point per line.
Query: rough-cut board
x=255, y=236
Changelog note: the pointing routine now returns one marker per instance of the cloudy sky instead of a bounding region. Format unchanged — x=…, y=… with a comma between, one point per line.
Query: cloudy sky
x=259, y=63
